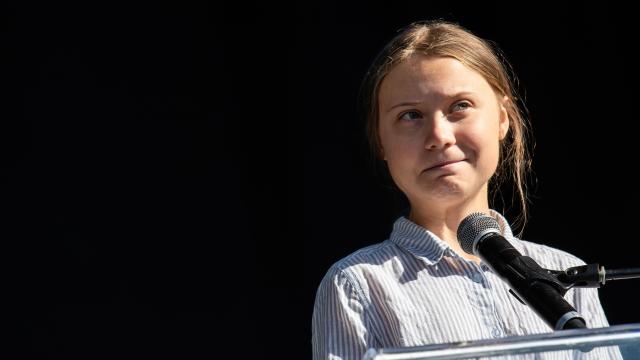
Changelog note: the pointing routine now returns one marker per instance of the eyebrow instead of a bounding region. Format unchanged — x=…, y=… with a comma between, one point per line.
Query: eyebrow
x=414, y=103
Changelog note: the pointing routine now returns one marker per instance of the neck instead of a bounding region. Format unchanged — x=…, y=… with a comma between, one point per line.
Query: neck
x=444, y=223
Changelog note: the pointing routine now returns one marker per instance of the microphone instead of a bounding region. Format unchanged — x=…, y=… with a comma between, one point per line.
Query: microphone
x=480, y=235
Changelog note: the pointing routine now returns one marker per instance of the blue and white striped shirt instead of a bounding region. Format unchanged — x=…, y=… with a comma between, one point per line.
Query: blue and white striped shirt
x=413, y=289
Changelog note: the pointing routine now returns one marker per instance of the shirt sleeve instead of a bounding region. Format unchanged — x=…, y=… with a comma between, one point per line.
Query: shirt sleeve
x=588, y=305
x=339, y=329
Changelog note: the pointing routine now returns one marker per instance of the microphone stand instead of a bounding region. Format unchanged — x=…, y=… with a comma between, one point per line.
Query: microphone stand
x=591, y=275
x=587, y=276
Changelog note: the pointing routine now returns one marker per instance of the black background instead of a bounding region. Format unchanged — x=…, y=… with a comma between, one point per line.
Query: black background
x=176, y=179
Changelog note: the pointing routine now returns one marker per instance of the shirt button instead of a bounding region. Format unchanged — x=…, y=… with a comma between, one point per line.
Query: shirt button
x=477, y=277
x=495, y=332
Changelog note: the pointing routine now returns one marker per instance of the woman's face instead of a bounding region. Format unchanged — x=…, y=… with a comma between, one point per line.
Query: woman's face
x=440, y=126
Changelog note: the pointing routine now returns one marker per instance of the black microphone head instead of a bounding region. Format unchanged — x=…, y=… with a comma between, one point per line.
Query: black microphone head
x=473, y=227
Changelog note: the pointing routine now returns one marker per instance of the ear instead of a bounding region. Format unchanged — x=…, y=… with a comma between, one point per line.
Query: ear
x=503, y=125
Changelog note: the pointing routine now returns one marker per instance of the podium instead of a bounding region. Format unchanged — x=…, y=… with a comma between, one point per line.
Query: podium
x=581, y=341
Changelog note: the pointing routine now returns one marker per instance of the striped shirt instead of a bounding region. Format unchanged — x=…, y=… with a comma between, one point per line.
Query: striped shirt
x=413, y=289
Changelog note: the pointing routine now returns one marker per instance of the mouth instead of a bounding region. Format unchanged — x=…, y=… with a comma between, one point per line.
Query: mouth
x=444, y=164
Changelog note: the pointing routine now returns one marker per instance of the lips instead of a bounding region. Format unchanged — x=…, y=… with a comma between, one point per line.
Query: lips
x=443, y=163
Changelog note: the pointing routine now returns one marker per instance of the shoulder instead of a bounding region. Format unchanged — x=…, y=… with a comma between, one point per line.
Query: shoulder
x=549, y=257
x=370, y=256
x=363, y=265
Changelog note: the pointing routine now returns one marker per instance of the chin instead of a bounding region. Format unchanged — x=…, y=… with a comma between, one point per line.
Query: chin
x=443, y=192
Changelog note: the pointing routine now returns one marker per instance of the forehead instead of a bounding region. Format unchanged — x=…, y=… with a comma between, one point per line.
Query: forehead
x=420, y=78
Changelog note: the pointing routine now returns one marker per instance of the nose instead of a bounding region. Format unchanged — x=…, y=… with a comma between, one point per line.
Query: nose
x=440, y=134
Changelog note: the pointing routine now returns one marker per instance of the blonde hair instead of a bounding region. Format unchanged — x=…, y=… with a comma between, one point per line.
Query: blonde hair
x=444, y=39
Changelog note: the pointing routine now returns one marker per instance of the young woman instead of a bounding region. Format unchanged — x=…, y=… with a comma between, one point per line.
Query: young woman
x=443, y=117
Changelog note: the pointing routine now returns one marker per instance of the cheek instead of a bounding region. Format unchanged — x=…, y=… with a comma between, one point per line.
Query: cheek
x=489, y=155
x=483, y=143
x=404, y=156
x=401, y=158
x=398, y=147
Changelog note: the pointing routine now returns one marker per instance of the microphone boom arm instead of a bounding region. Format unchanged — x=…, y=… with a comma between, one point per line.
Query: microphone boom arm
x=591, y=276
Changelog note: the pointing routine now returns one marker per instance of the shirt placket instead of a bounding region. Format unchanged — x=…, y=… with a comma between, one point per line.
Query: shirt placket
x=483, y=300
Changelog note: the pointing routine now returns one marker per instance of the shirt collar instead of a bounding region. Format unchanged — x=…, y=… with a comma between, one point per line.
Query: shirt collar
x=424, y=244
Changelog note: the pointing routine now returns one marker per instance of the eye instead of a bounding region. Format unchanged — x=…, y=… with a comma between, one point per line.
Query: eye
x=410, y=116
x=460, y=106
